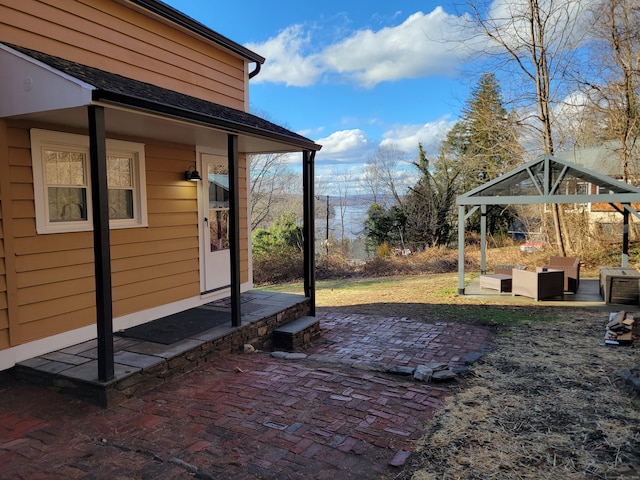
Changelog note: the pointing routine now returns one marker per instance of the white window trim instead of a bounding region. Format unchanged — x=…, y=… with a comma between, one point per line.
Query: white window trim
x=40, y=138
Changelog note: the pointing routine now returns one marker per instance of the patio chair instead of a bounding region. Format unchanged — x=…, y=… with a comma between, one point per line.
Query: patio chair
x=571, y=268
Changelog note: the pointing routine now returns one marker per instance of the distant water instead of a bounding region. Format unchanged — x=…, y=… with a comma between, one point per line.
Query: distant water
x=354, y=218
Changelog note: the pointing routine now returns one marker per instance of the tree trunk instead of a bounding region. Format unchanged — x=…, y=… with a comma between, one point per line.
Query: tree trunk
x=539, y=58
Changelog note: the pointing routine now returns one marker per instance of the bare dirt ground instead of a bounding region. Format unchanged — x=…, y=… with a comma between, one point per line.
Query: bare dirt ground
x=545, y=401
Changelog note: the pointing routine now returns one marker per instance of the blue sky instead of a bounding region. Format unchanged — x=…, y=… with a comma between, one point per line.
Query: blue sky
x=351, y=75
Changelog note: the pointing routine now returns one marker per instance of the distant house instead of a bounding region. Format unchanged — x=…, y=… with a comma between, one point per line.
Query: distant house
x=108, y=108
x=604, y=159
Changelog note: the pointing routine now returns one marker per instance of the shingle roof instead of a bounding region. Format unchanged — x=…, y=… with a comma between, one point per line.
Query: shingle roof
x=117, y=89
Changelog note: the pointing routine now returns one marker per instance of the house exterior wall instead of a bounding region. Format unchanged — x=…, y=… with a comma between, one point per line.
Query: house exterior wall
x=5, y=239
x=106, y=35
x=47, y=282
x=151, y=266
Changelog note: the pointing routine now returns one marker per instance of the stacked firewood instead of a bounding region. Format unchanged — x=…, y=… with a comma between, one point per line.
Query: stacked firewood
x=619, y=329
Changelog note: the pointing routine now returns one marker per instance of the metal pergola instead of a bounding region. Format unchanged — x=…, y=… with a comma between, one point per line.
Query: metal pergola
x=546, y=180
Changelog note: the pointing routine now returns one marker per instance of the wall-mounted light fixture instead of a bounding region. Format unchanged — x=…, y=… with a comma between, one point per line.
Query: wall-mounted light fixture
x=192, y=174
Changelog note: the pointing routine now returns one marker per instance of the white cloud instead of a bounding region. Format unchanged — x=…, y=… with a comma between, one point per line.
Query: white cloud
x=285, y=59
x=344, y=146
x=407, y=137
x=354, y=147
x=424, y=44
x=349, y=150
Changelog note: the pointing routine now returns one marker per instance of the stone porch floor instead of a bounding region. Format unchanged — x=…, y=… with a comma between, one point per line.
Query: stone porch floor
x=140, y=365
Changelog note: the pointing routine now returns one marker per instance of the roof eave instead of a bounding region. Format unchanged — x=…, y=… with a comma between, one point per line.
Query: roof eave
x=127, y=101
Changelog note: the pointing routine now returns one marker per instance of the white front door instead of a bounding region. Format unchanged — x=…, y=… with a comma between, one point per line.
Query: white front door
x=215, y=195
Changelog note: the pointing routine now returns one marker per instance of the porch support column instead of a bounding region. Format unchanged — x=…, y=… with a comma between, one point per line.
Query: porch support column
x=625, y=237
x=234, y=228
x=483, y=239
x=308, y=179
x=101, y=242
x=461, y=215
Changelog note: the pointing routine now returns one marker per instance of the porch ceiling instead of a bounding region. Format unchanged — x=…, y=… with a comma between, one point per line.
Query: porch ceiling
x=45, y=89
x=132, y=123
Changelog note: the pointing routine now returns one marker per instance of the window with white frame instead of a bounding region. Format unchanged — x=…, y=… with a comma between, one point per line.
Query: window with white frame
x=582, y=188
x=62, y=187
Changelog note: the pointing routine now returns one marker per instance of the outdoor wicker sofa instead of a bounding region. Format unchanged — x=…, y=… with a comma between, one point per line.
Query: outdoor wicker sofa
x=541, y=284
x=571, y=268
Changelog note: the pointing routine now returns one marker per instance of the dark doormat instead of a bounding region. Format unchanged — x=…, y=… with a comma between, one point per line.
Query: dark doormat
x=226, y=301
x=179, y=326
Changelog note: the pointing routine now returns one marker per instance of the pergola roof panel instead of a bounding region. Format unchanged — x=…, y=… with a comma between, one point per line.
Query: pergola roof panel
x=550, y=180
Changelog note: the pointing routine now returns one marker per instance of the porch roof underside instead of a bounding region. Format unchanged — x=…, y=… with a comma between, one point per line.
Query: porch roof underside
x=552, y=181
x=132, y=108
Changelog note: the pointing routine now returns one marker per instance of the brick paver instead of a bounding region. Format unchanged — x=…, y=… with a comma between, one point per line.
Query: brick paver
x=247, y=416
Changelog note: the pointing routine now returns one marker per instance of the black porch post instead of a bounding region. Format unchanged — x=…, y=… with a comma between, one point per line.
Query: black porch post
x=234, y=228
x=101, y=243
x=309, y=228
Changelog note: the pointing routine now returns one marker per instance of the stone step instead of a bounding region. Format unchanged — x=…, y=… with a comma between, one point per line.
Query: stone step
x=296, y=334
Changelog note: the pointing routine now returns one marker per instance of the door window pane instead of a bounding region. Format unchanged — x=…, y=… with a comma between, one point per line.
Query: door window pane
x=218, y=178
x=219, y=229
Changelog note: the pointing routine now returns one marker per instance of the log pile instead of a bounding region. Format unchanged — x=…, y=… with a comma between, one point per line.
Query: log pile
x=619, y=330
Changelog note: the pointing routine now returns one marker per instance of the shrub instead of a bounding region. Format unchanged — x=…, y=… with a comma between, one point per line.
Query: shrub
x=383, y=250
x=277, y=251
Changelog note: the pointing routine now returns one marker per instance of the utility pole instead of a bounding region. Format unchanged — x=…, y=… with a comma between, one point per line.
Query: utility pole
x=326, y=244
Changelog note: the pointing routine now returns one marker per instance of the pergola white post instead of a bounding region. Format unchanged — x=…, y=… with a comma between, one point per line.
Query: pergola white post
x=483, y=239
x=461, y=219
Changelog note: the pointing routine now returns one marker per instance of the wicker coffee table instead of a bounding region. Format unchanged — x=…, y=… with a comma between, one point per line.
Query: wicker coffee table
x=496, y=281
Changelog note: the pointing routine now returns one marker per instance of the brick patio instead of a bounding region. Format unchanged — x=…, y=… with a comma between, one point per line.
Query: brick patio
x=247, y=416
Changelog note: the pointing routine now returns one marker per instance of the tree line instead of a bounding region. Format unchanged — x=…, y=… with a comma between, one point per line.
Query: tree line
x=574, y=82
x=573, y=71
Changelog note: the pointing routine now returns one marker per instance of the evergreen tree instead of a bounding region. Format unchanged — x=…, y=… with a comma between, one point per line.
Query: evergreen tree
x=430, y=204
x=482, y=145
x=385, y=225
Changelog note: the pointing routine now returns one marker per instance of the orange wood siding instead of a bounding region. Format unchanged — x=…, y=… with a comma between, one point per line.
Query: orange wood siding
x=4, y=308
x=7, y=264
x=153, y=266
x=53, y=277
x=4, y=188
x=47, y=281
x=113, y=37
